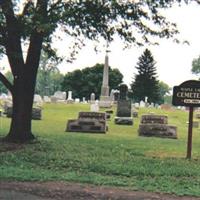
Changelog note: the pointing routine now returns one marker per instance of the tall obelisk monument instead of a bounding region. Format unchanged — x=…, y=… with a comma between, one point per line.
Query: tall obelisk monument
x=105, y=100
x=105, y=86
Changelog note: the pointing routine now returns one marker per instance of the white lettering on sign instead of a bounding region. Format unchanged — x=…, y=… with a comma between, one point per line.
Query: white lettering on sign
x=188, y=95
x=192, y=101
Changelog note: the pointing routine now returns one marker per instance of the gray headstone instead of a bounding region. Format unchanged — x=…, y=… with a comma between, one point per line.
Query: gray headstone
x=156, y=125
x=123, y=115
x=91, y=122
x=92, y=97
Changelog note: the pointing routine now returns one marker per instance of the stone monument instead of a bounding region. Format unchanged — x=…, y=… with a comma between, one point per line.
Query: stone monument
x=123, y=115
x=105, y=101
x=92, y=98
x=91, y=122
x=157, y=126
x=69, y=98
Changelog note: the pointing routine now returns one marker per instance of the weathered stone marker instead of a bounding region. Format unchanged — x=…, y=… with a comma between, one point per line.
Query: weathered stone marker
x=156, y=125
x=91, y=122
x=36, y=113
x=105, y=100
x=123, y=115
x=187, y=94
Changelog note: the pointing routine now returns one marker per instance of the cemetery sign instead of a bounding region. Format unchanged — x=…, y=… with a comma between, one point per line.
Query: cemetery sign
x=187, y=94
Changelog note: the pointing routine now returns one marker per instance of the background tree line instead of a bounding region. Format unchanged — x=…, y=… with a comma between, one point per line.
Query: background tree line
x=89, y=80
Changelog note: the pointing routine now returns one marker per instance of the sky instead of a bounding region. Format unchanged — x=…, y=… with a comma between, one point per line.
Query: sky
x=173, y=61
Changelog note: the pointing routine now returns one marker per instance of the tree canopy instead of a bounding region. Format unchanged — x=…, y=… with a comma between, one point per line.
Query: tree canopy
x=196, y=66
x=164, y=91
x=49, y=78
x=89, y=80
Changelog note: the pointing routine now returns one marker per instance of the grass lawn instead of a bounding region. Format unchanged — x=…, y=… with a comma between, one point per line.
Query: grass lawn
x=118, y=158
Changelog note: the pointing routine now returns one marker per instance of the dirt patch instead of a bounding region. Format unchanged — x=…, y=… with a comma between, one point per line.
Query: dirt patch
x=73, y=191
x=6, y=146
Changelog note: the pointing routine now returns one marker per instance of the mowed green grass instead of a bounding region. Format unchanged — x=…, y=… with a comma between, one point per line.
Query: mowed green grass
x=118, y=158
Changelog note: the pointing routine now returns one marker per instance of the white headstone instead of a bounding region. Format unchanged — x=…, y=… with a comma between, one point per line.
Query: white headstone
x=94, y=107
x=69, y=95
x=46, y=99
x=136, y=105
x=112, y=97
x=77, y=100
x=60, y=95
x=152, y=105
x=37, y=100
x=84, y=101
x=92, y=97
x=142, y=104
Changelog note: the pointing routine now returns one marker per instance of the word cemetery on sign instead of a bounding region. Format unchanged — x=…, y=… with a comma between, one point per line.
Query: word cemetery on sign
x=187, y=94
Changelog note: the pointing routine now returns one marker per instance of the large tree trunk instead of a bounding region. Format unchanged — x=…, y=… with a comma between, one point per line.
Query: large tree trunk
x=20, y=129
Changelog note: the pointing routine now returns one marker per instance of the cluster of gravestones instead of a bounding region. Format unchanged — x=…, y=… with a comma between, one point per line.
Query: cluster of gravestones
x=95, y=121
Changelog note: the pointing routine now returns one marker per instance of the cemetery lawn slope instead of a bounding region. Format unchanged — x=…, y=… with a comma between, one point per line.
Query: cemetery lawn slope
x=118, y=158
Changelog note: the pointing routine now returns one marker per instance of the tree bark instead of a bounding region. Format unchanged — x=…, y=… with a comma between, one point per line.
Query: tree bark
x=20, y=129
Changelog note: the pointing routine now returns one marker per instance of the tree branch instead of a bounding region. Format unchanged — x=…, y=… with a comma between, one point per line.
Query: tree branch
x=6, y=82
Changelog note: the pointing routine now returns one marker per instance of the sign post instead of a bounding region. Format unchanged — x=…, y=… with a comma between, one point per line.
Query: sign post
x=187, y=94
x=189, y=143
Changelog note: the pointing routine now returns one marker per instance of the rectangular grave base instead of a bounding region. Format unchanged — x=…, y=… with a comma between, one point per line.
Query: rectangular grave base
x=124, y=120
x=86, y=126
x=158, y=130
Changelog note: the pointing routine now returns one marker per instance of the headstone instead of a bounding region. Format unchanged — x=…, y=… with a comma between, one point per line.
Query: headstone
x=91, y=122
x=60, y=95
x=37, y=100
x=53, y=99
x=94, y=107
x=69, y=98
x=92, y=98
x=77, y=100
x=123, y=115
x=112, y=98
x=46, y=99
x=152, y=105
x=146, y=101
x=84, y=101
x=157, y=126
x=116, y=95
x=36, y=113
x=142, y=104
x=195, y=124
x=137, y=105
x=135, y=113
x=197, y=115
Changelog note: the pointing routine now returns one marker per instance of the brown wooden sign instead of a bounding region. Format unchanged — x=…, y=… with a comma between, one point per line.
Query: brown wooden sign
x=187, y=94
